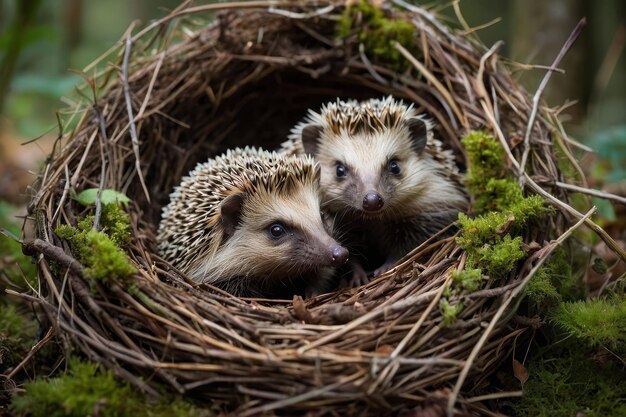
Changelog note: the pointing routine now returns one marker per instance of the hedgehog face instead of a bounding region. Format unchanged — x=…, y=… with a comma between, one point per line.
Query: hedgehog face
x=277, y=236
x=373, y=173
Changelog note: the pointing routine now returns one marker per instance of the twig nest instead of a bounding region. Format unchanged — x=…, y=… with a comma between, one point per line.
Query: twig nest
x=181, y=91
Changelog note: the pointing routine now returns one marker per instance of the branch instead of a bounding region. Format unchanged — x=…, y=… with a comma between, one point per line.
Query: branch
x=131, y=119
x=531, y=120
x=53, y=252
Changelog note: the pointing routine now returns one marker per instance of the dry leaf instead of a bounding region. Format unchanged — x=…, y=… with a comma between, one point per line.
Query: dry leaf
x=385, y=349
x=520, y=372
x=300, y=310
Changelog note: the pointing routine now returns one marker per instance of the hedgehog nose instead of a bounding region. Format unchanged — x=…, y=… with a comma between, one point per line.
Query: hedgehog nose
x=340, y=256
x=373, y=201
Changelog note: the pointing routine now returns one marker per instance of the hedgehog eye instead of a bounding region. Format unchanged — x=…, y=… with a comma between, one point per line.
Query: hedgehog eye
x=394, y=167
x=277, y=231
x=341, y=170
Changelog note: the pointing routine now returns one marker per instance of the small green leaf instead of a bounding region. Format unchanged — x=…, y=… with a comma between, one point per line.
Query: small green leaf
x=108, y=196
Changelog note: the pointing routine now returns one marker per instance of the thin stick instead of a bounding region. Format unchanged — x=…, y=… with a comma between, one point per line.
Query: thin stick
x=131, y=120
x=104, y=143
x=533, y=114
x=495, y=396
x=210, y=7
x=434, y=81
x=496, y=317
x=293, y=15
x=32, y=352
x=369, y=67
x=591, y=191
x=66, y=190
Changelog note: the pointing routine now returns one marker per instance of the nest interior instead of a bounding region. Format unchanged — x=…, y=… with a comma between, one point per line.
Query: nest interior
x=192, y=90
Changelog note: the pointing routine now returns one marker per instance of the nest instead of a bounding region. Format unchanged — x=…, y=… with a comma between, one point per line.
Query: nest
x=182, y=90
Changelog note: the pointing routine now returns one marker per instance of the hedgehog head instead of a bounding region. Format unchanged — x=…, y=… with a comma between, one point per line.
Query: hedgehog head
x=372, y=156
x=265, y=227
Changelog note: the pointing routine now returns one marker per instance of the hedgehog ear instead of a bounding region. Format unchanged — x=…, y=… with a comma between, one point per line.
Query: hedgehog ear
x=419, y=131
x=230, y=212
x=310, y=135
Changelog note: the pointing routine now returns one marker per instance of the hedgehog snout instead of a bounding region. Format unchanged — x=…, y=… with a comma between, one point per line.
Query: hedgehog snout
x=373, y=201
x=339, y=255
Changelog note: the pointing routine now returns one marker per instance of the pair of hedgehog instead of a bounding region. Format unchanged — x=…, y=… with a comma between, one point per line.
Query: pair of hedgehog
x=256, y=223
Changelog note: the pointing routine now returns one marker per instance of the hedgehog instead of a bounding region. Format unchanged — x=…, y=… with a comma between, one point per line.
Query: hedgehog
x=249, y=222
x=386, y=180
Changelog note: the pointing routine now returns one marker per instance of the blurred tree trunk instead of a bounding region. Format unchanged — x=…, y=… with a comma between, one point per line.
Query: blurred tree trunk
x=72, y=27
x=539, y=30
x=24, y=15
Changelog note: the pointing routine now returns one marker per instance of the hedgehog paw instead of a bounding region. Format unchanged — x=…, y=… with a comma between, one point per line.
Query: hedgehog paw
x=311, y=291
x=384, y=268
x=359, y=277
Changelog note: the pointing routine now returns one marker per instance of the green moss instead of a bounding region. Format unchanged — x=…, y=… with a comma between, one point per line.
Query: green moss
x=469, y=279
x=491, y=239
x=377, y=33
x=596, y=322
x=17, y=335
x=499, y=259
x=99, y=250
x=115, y=224
x=486, y=248
x=496, y=194
x=541, y=291
x=16, y=267
x=485, y=159
x=558, y=280
x=449, y=311
x=566, y=383
x=480, y=230
x=86, y=390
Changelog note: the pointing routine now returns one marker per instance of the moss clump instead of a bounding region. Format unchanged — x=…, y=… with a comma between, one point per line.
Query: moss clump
x=449, y=312
x=499, y=259
x=558, y=280
x=492, y=188
x=17, y=335
x=491, y=239
x=86, y=390
x=597, y=322
x=99, y=250
x=541, y=291
x=115, y=224
x=468, y=279
x=486, y=248
x=378, y=32
x=567, y=383
x=485, y=158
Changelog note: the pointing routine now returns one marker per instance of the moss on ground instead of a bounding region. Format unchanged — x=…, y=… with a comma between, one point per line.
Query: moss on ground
x=595, y=322
x=557, y=281
x=87, y=390
x=100, y=251
x=378, y=33
x=17, y=335
x=18, y=269
x=564, y=382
